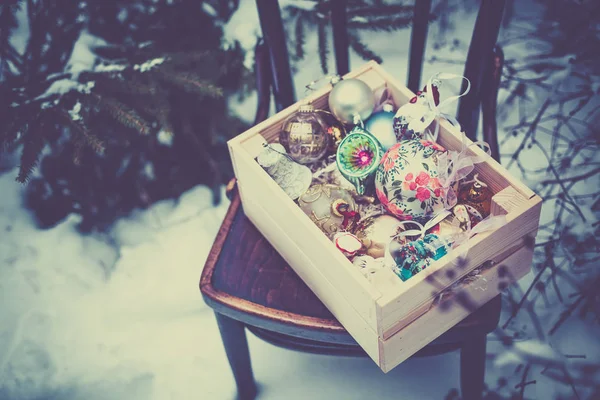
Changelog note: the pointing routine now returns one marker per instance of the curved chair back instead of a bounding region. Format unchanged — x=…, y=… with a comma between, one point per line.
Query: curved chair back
x=480, y=65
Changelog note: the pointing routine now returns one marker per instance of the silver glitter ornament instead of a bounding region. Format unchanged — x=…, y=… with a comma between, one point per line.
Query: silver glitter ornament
x=350, y=98
x=292, y=177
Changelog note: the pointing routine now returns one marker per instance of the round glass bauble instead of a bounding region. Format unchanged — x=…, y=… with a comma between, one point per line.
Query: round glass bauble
x=407, y=181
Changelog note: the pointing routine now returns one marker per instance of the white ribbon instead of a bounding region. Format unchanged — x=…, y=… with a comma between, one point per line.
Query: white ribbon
x=422, y=229
x=487, y=224
x=453, y=166
x=461, y=240
x=433, y=112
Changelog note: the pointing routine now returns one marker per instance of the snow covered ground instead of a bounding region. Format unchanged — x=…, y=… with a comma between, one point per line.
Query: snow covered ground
x=121, y=316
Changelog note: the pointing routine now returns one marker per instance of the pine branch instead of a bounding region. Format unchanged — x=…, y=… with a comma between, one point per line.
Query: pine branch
x=160, y=107
x=11, y=124
x=191, y=82
x=186, y=60
x=78, y=150
x=10, y=134
x=323, y=46
x=380, y=11
x=300, y=37
x=362, y=50
x=106, y=83
x=122, y=113
x=89, y=138
x=387, y=24
x=32, y=148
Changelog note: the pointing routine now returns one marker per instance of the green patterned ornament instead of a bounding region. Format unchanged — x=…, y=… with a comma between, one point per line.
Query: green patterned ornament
x=358, y=157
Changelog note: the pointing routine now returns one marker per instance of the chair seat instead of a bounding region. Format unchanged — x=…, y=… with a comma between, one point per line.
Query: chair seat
x=246, y=279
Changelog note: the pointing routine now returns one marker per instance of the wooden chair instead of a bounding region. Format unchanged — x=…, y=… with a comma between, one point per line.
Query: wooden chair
x=249, y=285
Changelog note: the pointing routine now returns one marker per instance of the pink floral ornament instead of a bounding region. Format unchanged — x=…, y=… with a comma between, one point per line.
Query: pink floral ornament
x=407, y=183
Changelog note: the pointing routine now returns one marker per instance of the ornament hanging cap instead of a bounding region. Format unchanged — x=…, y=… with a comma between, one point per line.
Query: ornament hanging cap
x=335, y=79
x=332, y=78
x=306, y=108
x=388, y=107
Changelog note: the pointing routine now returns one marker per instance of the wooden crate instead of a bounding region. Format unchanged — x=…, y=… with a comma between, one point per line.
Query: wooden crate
x=389, y=318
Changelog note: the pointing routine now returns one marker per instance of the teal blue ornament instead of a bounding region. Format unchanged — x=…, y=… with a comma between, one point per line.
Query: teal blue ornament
x=413, y=257
x=358, y=157
x=381, y=125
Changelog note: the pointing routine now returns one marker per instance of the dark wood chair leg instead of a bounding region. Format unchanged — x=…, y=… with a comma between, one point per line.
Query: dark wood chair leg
x=472, y=368
x=234, y=339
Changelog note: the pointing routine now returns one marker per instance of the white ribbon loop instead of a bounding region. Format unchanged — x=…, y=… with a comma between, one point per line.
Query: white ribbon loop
x=422, y=229
x=433, y=112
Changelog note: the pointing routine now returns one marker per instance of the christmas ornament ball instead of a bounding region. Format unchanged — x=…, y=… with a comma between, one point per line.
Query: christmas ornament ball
x=304, y=135
x=358, y=157
x=335, y=130
x=381, y=125
x=417, y=107
x=407, y=183
x=376, y=232
x=477, y=198
x=351, y=97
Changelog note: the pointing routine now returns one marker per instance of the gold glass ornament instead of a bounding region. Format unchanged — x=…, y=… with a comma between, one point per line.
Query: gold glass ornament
x=305, y=135
x=330, y=207
x=376, y=232
x=335, y=130
x=477, y=198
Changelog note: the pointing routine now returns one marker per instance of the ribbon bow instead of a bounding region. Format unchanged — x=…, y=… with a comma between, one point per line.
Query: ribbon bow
x=422, y=229
x=421, y=122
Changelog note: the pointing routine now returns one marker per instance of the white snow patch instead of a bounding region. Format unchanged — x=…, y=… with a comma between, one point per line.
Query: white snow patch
x=359, y=19
x=110, y=68
x=82, y=57
x=165, y=138
x=20, y=36
x=63, y=86
x=306, y=5
x=74, y=112
x=244, y=28
x=122, y=16
x=148, y=65
x=209, y=9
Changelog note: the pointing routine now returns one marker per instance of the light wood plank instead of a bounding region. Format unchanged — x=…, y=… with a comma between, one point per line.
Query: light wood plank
x=437, y=320
x=425, y=285
x=257, y=186
x=313, y=276
x=388, y=331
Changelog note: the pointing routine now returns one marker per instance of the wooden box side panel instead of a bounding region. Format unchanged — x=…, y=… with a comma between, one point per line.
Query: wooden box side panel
x=313, y=277
x=522, y=219
x=256, y=186
x=388, y=331
x=438, y=319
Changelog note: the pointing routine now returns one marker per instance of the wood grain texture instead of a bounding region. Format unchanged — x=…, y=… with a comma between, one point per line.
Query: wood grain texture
x=249, y=268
